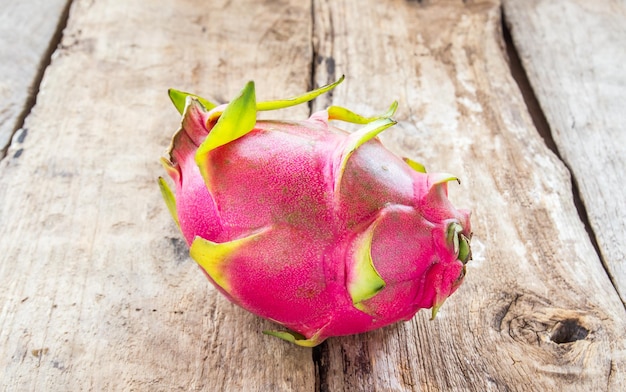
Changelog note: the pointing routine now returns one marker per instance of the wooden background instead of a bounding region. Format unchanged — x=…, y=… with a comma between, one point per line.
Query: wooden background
x=97, y=291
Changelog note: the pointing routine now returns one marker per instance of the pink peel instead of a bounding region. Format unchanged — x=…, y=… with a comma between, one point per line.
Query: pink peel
x=325, y=232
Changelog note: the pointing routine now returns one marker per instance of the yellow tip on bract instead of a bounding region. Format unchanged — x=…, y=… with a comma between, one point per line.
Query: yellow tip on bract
x=355, y=140
x=169, y=167
x=365, y=282
x=439, y=300
x=170, y=200
x=296, y=338
x=343, y=114
x=306, y=97
x=434, y=311
x=238, y=119
x=179, y=98
x=418, y=167
x=214, y=257
x=440, y=178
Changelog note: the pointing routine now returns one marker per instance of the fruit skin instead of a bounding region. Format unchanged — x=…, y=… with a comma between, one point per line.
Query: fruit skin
x=325, y=232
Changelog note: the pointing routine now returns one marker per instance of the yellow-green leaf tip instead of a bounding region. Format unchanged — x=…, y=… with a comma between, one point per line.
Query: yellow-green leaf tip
x=296, y=338
x=170, y=200
x=297, y=100
x=179, y=98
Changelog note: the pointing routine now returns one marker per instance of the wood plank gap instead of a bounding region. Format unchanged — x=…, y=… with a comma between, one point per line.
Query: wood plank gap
x=314, y=54
x=33, y=90
x=320, y=360
x=319, y=354
x=543, y=127
x=530, y=99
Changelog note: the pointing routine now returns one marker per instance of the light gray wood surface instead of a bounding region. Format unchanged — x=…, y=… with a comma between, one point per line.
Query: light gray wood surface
x=99, y=292
x=574, y=53
x=26, y=31
x=535, y=277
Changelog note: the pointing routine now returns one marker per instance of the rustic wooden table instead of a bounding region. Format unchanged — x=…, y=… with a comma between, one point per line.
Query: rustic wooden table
x=98, y=292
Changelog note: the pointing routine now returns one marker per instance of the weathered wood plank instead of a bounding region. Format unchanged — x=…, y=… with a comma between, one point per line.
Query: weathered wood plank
x=98, y=292
x=574, y=54
x=537, y=311
x=27, y=29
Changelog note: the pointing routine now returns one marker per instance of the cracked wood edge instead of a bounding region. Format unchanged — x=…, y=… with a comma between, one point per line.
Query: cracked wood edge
x=536, y=306
x=98, y=290
x=573, y=53
x=28, y=29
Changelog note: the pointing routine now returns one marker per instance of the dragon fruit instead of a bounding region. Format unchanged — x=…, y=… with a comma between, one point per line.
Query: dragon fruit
x=322, y=231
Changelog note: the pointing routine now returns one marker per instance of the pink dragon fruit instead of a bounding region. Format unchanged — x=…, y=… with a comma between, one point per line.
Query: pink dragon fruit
x=323, y=231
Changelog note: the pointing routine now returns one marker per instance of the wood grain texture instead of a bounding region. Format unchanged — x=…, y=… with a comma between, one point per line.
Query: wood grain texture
x=574, y=54
x=537, y=311
x=98, y=290
x=27, y=29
